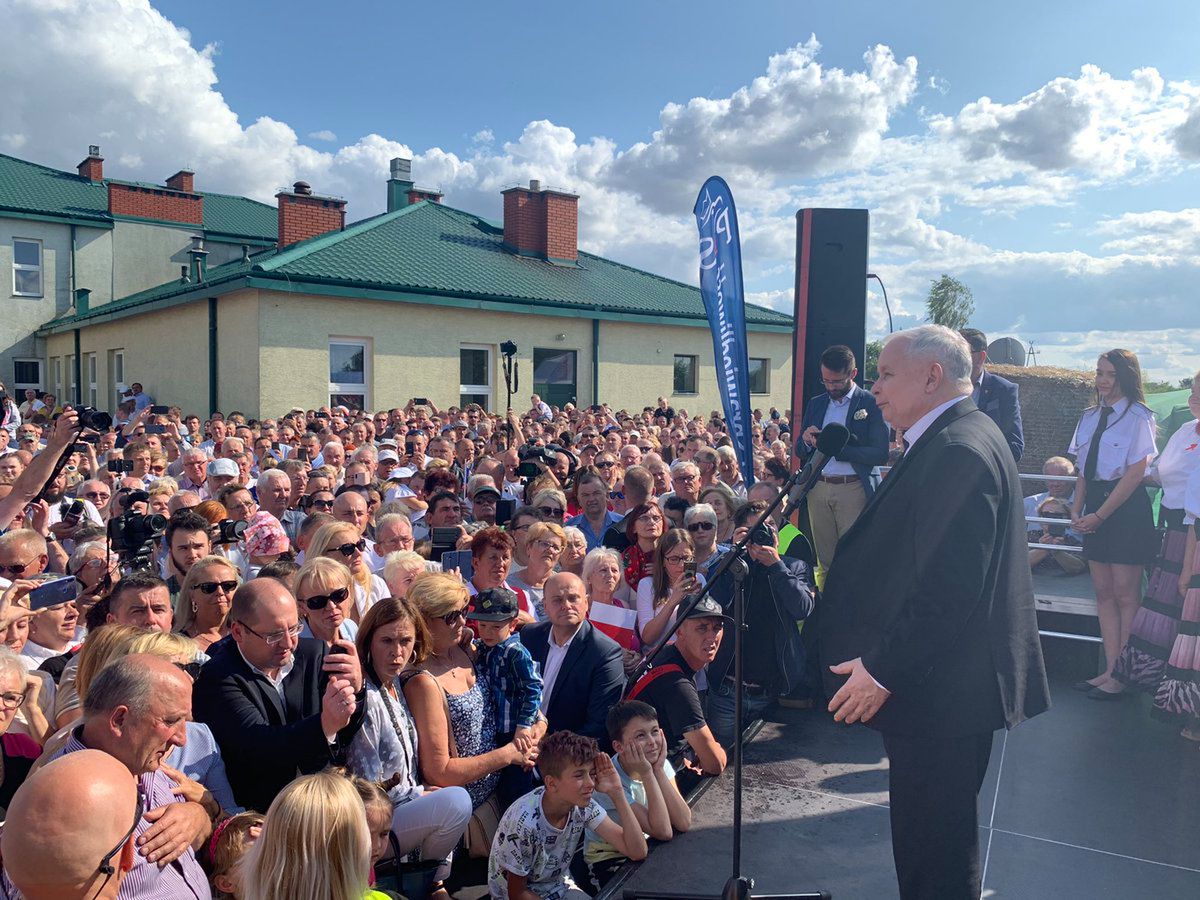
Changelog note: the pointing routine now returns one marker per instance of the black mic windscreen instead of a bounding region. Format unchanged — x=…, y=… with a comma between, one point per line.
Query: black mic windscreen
x=832, y=439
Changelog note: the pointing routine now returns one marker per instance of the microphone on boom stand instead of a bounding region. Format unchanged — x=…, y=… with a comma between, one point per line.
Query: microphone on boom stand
x=831, y=440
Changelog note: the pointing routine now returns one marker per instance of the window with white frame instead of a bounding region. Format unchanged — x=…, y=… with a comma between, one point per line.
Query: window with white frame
x=56, y=365
x=27, y=267
x=349, y=377
x=116, y=375
x=475, y=375
x=27, y=374
x=70, y=364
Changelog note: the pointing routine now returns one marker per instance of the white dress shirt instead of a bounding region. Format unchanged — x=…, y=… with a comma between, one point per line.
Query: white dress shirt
x=839, y=411
x=1175, y=465
x=919, y=427
x=555, y=655
x=1128, y=439
x=276, y=683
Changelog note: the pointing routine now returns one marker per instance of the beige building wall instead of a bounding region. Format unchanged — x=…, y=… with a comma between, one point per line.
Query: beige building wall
x=238, y=355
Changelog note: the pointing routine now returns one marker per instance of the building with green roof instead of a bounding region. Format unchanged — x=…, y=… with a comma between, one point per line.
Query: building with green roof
x=61, y=231
x=412, y=303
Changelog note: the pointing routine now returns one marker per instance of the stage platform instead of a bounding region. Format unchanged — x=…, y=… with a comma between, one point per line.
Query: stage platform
x=1088, y=800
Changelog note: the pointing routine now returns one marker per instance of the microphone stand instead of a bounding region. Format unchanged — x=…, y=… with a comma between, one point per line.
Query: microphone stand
x=739, y=886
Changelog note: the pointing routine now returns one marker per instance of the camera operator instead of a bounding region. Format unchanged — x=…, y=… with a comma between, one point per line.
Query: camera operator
x=777, y=597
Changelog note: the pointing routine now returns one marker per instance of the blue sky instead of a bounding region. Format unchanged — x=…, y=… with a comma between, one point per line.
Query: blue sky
x=1047, y=155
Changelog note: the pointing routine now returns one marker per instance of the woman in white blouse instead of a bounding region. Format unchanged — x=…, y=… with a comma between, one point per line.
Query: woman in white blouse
x=1113, y=446
x=391, y=636
x=1156, y=624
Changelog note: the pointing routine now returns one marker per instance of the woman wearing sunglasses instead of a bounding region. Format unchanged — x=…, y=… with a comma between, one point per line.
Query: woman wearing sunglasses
x=204, y=600
x=543, y=548
x=343, y=543
x=324, y=591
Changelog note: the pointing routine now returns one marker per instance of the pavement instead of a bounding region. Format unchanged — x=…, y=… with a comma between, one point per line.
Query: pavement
x=1089, y=800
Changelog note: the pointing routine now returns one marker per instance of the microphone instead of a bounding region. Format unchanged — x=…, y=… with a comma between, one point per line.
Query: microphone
x=831, y=440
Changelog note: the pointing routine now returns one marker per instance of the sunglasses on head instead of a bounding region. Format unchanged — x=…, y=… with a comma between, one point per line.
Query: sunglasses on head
x=347, y=549
x=318, y=601
x=210, y=587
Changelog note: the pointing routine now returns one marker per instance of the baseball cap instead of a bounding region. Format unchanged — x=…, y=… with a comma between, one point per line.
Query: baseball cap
x=494, y=605
x=388, y=456
x=222, y=467
x=485, y=489
x=708, y=608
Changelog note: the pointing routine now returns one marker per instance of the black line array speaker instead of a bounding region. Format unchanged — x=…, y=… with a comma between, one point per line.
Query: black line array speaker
x=831, y=295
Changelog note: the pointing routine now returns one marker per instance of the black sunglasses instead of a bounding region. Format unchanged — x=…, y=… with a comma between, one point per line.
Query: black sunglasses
x=318, y=601
x=701, y=526
x=604, y=465
x=458, y=615
x=106, y=867
x=16, y=570
x=551, y=511
x=210, y=587
x=321, y=504
x=192, y=668
x=347, y=549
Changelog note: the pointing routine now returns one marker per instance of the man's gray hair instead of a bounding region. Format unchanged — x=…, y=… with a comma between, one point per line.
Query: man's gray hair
x=942, y=345
x=269, y=475
x=82, y=552
x=725, y=452
x=681, y=464
x=123, y=682
x=390, y=519
x=702, y=511
x=195, y=453
x=708, y=454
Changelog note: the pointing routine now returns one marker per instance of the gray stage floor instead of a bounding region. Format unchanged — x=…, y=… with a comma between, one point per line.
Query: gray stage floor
x=1089, y=800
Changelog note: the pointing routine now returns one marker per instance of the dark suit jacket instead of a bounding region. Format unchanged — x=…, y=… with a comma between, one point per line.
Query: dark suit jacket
x=931, y=587
x=870, y=448
x=998, y=398
x=264, y=742
x=589, y=684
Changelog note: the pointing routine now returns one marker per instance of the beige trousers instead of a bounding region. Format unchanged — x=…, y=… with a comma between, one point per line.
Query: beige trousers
x=832, y=509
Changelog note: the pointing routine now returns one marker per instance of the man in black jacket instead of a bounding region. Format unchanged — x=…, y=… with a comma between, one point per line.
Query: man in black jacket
x=778, y=596
x=278, y=705
x=928, y=626
x=582, y=675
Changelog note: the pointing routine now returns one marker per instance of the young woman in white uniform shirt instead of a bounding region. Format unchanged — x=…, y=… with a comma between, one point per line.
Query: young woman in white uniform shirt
x=1113, y=446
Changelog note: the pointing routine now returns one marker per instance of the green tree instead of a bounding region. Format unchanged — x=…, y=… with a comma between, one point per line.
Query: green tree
x=1186, y=383
x=949, y=303
x=871, y=368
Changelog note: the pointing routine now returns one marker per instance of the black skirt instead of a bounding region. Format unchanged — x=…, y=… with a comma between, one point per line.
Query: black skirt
x=1127, y=536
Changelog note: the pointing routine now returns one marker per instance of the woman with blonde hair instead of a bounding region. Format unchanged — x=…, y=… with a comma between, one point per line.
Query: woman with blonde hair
x=543, y=547
x=400, y=570
x=314, y=845
x=343, y=543
x=204, y=600
x=106, y=643
x=550, y=503
x=324, y=590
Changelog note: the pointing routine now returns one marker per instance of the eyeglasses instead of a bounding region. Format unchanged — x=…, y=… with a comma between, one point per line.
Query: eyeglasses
x=191, y=668
x=276, y=637
x=97, y=495
x=348, y=549
x=649, y=520
x=685, y=478
x=12, y=700
x=17, y=570
x=549, y=545
x=522, y=527
x=679, y=560
x=834, y=382
x=553, y=512
x=458, y=615
x=702, y=526
x=106, y=867
x=318, y=601
x=211, y=587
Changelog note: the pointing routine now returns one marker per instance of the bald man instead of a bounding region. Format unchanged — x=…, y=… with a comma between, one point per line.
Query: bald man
x=277, y=703
x=582, y=674
x=70, y=818
x=136, y=711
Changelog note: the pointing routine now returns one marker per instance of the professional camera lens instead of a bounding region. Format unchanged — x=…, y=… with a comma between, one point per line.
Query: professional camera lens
x=94, y=419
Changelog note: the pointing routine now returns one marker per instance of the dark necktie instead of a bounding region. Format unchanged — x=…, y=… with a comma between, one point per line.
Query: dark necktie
x=1093, y=454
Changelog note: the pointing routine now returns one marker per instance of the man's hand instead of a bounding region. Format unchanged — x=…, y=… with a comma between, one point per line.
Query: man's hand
x=762, y=554
x=810, y=435
x=337, y=706
x=860, y=697
x=63, y=432
x=345, y=665
x=524, y=739
x=607, y=780
x=38, y=516
x=177, y=826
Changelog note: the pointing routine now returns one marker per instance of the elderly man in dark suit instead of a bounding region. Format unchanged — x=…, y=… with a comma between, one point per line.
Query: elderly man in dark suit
x=845, y=485
x=582, y=675
x=278, y=704
x=928, y=631
x=996, y=396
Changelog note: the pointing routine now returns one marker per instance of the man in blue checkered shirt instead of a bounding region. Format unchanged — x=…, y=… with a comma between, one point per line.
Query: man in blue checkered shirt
x=511, y=673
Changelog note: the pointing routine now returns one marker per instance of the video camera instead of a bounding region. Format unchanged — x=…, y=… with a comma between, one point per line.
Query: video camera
x=529, y=455
x=95, y=419
x=133, y=536
x=230, y=531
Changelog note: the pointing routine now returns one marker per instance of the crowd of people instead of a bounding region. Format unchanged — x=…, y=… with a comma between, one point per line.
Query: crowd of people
x=325, y=654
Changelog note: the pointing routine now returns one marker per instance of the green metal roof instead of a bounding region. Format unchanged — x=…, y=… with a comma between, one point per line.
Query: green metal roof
x=433, y=251
x=32, y=189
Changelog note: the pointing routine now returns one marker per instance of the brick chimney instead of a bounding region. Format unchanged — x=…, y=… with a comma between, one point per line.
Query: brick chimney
x=542, y=223
x=303, y=214
x=92, y=167
x=183, y=180
x=416, y=195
